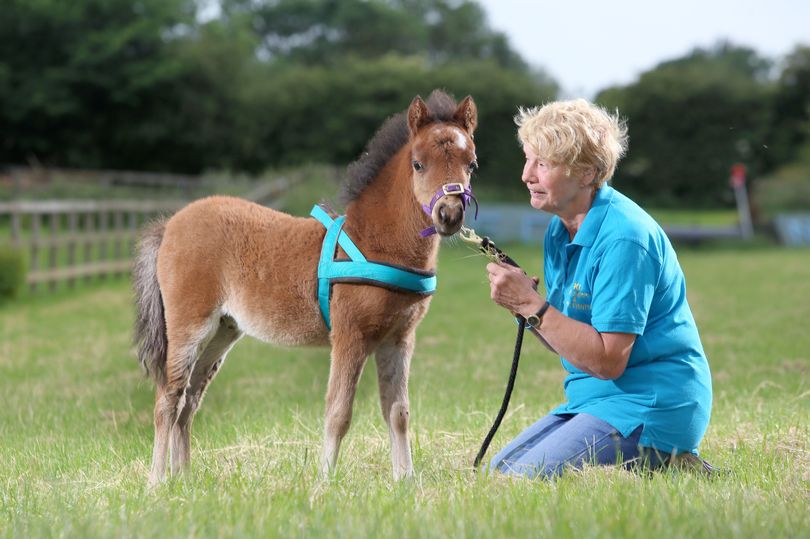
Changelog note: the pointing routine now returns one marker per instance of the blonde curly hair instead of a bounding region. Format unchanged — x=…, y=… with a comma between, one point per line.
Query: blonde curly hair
x=577, y=134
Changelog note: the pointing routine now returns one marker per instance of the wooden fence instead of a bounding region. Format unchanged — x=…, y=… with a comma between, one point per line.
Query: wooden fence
x=68, y=240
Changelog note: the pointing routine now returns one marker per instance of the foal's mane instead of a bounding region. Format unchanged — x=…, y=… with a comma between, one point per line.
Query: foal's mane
x=392, y=136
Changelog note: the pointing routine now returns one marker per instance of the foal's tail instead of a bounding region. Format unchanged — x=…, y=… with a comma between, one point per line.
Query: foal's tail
x=150, y=320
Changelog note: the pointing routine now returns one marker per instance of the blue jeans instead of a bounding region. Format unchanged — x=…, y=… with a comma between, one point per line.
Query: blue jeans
x=557, y=442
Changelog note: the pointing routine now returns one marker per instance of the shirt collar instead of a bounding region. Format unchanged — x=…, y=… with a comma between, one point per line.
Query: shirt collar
x=587, y=233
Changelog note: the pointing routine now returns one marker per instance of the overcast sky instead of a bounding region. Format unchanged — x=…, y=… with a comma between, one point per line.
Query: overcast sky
x=588, y=45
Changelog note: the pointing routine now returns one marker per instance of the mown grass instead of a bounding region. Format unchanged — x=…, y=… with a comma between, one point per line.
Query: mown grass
x=76, y=431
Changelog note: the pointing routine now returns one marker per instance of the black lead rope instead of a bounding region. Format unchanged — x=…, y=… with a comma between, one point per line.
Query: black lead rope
x=488, y=247
x=509, y=386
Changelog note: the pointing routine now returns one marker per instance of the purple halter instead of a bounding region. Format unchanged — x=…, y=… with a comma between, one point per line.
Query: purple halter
x=452, y=189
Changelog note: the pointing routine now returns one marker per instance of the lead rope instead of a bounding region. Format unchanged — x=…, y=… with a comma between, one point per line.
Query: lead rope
x=507, y=395
x=491, y=251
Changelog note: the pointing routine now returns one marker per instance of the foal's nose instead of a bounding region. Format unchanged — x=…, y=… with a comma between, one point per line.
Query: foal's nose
x=450, y=217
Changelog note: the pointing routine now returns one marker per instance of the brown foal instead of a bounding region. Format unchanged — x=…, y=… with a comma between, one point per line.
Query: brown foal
x=222, y=267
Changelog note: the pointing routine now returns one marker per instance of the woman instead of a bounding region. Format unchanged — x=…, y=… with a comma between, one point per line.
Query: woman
x=615, y=309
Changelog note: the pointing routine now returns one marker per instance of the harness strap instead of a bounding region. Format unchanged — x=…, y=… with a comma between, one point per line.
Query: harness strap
x=358, y=269
x=343, y=239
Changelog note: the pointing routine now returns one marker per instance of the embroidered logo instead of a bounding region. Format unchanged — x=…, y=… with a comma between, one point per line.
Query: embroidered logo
x=579, y=299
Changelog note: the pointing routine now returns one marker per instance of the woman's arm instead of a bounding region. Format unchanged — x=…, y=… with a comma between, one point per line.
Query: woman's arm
x=541, y=339
x=602, y=355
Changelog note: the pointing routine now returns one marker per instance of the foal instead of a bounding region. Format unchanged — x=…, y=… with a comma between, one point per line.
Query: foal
x=222, y=267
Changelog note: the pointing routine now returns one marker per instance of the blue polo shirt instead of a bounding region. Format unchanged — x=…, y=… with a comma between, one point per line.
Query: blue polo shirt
x=620, y=274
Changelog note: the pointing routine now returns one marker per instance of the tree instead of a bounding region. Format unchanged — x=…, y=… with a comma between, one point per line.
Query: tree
x=147, y=86
x=322, y=32
x=791, y=116
x=340, y=110
x=690, y=119
x=75, y=75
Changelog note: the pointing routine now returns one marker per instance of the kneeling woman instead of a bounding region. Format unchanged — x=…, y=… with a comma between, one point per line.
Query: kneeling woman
x=615, y=309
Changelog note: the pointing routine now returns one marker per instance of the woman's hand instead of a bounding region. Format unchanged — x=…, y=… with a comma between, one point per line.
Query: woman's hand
x=512, y=289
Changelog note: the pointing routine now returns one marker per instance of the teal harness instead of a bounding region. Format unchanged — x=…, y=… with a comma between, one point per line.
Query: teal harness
x=358, y=269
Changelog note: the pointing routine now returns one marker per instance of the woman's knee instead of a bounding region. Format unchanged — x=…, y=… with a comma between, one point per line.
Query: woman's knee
x=525, y=441
x=581, y=441
x=529, y=470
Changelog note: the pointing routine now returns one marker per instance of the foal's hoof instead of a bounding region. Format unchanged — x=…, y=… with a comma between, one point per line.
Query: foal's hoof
x=154, y=481
x=152, y=484
x=403, y=475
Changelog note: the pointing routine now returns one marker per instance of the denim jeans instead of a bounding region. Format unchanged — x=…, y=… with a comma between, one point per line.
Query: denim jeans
x=557, y=442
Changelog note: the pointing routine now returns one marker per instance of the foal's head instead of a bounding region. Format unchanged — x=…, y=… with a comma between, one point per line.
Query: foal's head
x=442, y=159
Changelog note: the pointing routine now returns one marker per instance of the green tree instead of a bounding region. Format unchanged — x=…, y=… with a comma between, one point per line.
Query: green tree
x=332, y=72
x=315, y=32
x=340, y=111
x=326, y=31
x=201, y=117
x=76, y=77
x=690, y=119
x=145, y=85
x=791, y=115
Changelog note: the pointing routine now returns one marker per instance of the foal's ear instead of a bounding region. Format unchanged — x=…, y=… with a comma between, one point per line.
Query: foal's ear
x=467, y=115
x=418, y=115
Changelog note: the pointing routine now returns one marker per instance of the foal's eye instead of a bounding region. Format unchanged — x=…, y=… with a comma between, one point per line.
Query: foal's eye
x=417, y=166
x=473, y=166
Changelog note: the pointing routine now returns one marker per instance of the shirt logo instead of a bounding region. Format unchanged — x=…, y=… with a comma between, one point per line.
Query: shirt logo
x=579, y=299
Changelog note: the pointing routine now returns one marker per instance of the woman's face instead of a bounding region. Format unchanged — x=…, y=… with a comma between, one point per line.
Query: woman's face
x=550, y=188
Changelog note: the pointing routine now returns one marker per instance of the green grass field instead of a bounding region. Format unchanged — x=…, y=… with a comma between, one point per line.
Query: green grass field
x=76, y=428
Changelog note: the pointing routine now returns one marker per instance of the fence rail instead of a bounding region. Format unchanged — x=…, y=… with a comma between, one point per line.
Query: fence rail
x=22, y=179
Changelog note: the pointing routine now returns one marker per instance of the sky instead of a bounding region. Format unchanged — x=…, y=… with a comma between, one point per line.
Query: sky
x=589, y=45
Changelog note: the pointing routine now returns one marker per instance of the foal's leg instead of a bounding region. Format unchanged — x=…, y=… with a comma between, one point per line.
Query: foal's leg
x=204, y=371
x=393, y=363
x=185, y=346
x=162, y=430
x=349, y=353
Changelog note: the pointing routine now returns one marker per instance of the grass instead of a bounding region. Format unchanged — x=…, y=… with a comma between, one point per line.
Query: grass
x=76, y=431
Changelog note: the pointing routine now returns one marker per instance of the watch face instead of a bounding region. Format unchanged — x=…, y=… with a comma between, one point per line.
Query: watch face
x=533, y=320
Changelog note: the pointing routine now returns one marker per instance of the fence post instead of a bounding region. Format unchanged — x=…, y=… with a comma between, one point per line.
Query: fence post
x=53, y=247
x=89, y=225
x=16, y=227
x=132, y=224
x=35, y=236
x=73, y=221
x=118, y=230
x=103, y=227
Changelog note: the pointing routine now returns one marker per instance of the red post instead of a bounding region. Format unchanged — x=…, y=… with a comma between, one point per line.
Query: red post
x=737, y=179
x=737, y=182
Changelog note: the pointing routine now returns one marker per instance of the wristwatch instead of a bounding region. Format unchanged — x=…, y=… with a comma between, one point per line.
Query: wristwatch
x=534, y=320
